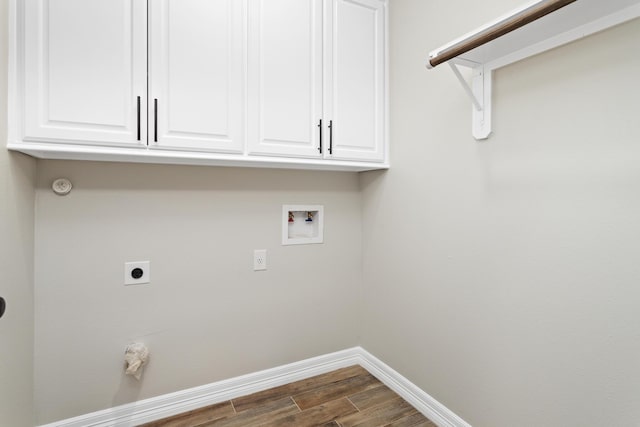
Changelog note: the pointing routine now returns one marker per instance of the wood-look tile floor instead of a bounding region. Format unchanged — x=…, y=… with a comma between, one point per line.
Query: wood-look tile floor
x=347, y=397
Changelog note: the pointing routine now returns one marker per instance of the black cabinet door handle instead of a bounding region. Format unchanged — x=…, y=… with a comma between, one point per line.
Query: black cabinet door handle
x=138, y=118
x=330, y=136
x=3, y=306
x=320, y=145
x=155, y=120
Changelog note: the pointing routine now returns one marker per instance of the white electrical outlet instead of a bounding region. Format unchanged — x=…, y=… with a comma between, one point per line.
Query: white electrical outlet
x=137, y=273
x=259, y=259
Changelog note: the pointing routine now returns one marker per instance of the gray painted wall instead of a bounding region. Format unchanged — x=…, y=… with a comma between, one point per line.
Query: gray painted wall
x=17, y=181
x=502, y=276
x=499, y=276
x=207, y=315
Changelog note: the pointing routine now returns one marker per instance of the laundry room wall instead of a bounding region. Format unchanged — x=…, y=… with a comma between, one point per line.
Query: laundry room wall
x=502, y=276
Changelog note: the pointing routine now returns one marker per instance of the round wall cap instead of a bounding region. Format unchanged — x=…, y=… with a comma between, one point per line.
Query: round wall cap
x=62, y=186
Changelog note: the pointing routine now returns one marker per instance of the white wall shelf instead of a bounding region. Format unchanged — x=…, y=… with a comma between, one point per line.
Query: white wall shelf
x=570, y=22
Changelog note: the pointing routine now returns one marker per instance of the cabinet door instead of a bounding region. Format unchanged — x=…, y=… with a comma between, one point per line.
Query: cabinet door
x=285, y=77
x=196, y=75
x=85, y=71
x=356, y=82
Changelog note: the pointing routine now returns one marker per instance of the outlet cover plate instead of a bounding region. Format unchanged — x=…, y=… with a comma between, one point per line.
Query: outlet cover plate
x=259, y=259
x=145, y=266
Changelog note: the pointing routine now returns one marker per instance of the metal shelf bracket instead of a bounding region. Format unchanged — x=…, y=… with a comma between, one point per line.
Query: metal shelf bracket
x=480, y=94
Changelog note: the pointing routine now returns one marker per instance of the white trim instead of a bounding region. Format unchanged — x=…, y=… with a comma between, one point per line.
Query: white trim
x=14, y=58
x=45, y=150
x=170, y=404
x=423, y=402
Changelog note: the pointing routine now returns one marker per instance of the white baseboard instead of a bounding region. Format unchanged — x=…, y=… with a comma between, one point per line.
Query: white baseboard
x=430, y=407
x=156, y=408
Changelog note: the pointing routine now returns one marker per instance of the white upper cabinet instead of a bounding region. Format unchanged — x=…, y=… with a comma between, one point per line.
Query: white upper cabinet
x=317, y=78
x=285, y=77
x=196, y=75
x=261, y=83
x=85, y=70
x=355, y=86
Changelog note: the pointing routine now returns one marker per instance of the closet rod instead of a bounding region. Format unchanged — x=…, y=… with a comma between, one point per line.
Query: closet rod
x=512, y=23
